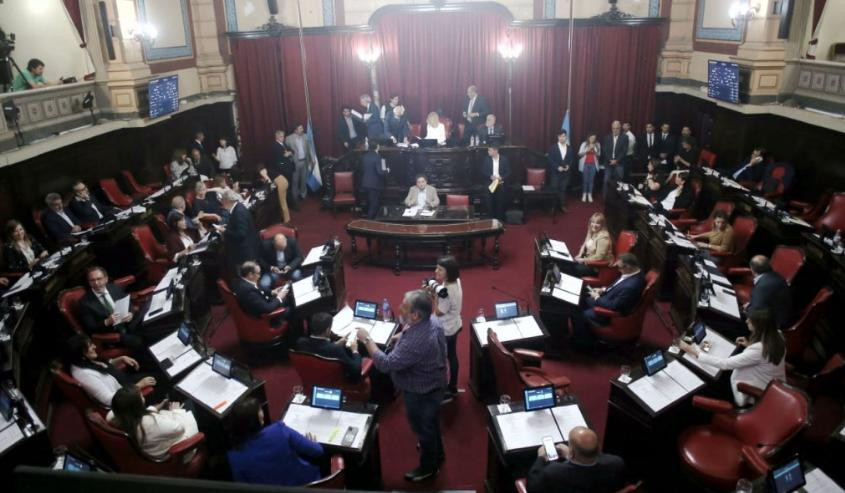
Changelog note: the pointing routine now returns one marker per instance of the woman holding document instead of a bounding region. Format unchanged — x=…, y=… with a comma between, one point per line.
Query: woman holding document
x=761, y=362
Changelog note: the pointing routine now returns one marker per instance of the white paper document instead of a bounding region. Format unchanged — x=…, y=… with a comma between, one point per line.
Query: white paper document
x=683, y=376
x=719, y=347
x=508, y=330
x=314, y=255
x=329, y=426
x=724, y=301
x=172, y=348
x=165, y=281
x=212, y=389
x=527, y=429
x=23, y=283
x=381, y=331
x=411, y=212
x=304, y=291
x=527, y=188
x=160, y=305
x=121, y=306
x=819, y=482
x=559, y=247
x=342, y=322
x=661, y=389
x=428, y=212
x=11, y=435
x=568, y=417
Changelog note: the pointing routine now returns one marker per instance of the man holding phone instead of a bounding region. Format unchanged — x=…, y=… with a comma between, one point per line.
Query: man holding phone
x=579, y=467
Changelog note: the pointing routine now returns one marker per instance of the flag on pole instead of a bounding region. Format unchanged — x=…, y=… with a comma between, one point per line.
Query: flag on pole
x=565, y=125
x=315, y=179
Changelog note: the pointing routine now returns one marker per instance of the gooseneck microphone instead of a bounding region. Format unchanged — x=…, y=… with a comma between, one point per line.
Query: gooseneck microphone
x=518, y=298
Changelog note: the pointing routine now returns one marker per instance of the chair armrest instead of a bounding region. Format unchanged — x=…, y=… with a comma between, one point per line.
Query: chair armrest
x=749, y=389
x=148, y=390
x=153, y=184
x=797, y=204
x=366, y=366
x=125, y=281
x=739, y=271
x=712, y=405
x=606, y=312
x=138, y=297
x=106, y=338
x=755, y=460
x=337, y=463
x=186, y=445
x=598, y=263
x=520, y=485
x=675, y=212
x=528, y=356
x=683, y=221
x=716, y=253
x=275, y=313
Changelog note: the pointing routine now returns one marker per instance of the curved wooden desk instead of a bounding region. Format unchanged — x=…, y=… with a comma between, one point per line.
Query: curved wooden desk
x=403, y=237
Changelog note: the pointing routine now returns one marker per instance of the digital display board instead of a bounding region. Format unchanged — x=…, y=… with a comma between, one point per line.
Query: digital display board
x=723, y=81
x=164, y=96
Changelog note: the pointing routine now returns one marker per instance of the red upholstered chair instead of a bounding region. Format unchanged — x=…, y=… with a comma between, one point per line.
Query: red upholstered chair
x=457, y=200
x=744, y=228
x=707, y=225
x=336, y=480
x=344, y=189
x=679, y=217
x=114, y=194
x=737, y=443
x=826, y=389
x=520, y=485
x=799, y=335
x=535, y=177
x=834, y=216
x=160, y=228
x=786, y=261
x=810, y=211
x=776, y=180
x=447, y=124
x=73, y=391
x=625, y=242
x=132, y=460
x=513, y=373
x=271, y=231
x=156, y=262
x=253, y=332
x=707, y=158
x=627, y=328
x=328, y=372
x=36, y=218
x=138, y=190
x=416, y=130
x=462, y=129
x=189, y=198
x=108, y=343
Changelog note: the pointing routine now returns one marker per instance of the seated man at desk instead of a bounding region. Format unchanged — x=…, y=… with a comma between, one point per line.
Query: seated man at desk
x=253, y=300
x=319, y=343
x=751, y=172
x=281, y=257
x=58, y=221
x=680, y=197
x=581, y=467
x=97, y=309
x=770, y=291
x=622, y=296
x=490, y=132
x=86, y=207
x=422, y=195
x=179, y=205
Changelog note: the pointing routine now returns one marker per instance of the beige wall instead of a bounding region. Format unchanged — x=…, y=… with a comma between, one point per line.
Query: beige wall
x=831, y=29
x=254, y=13
x=638, y=8
x=43, y=30
x=166, y=16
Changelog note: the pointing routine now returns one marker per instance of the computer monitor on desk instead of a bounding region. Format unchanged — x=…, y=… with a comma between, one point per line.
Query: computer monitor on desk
x=428, y=143
x=786, y=478
x=539, y=398
x=327, y=398
x=222, y=365
x=506, y=309
x=654, y=362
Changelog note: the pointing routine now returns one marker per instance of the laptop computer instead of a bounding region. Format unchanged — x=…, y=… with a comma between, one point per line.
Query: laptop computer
x=365, y=312
x=326, y=398
x=506, y=309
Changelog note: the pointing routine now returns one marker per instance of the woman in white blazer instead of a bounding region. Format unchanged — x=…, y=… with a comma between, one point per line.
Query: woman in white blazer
x=434, y=129
x=154, y=428
x=588, y=165
x=761, y=362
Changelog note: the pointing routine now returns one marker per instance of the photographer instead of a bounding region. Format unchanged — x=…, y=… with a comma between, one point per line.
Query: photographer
x=448, y=311
x=31, y=78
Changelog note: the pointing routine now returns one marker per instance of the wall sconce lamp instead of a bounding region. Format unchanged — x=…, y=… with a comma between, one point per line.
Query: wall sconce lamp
x=143, y=33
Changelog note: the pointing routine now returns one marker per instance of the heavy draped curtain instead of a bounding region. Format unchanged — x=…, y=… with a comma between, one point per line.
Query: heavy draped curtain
x=429, y=59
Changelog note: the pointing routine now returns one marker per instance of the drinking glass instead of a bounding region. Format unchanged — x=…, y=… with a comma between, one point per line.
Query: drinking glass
x=625, y=371
x=504, y=399
x=743, y=486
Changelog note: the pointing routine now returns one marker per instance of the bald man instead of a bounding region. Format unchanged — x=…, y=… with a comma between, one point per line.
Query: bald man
x=581, y=467
x=770, y=291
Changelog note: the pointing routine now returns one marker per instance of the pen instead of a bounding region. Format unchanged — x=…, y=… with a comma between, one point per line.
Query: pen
x=220, y=404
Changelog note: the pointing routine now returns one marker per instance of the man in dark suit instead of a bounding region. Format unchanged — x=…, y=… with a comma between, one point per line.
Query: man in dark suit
x=242, y=241
x=475, y=112
x=280, y=170
x=680, y=196
x=581, y=467
x=255, y=301
x=649, y=143
x=58, y=221
x=319, y=342
x=396, y=126
x=496, y=169
x=373, y=179
x=491, y=132
x=622, y=296
x=280, y=256
x=96, y=310
x=351, y=131
x=561, y=158
x=613, y=152
x=770, y=291
x=373, y=123
x=204, y=165
x=198, y=143
x=751, y=171
x=86, y=207
x=667, y=143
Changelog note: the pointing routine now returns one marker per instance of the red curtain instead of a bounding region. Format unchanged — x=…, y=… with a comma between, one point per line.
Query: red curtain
x=429, y=60
x=72, y=7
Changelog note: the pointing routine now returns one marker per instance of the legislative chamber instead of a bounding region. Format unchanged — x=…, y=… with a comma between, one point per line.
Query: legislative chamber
x=238, y=235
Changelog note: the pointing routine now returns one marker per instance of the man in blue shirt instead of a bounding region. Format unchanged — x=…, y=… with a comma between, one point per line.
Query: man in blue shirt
x=417, y=365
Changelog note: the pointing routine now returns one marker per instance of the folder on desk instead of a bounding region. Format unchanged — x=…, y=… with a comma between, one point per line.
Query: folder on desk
x=666, y=386
x=212, y=389
x=328, y=426
x=510, y=329
x=304, y=291
x=526, y=429
x=171, y=348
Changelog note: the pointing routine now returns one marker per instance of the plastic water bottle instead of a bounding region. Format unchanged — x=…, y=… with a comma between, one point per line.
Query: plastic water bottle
x=385, y=310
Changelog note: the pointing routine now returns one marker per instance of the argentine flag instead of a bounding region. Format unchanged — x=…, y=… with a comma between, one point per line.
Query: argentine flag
x=315, y=179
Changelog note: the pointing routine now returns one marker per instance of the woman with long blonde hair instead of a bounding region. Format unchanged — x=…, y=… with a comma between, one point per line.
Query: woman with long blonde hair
x=435, y=129
x=597, y=246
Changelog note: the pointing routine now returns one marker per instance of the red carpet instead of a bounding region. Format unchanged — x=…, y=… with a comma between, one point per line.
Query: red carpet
x=464, y=421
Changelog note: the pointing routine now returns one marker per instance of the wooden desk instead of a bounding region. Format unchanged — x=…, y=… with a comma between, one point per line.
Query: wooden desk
x=400, y=238
x=443, y=214
x=23, y=442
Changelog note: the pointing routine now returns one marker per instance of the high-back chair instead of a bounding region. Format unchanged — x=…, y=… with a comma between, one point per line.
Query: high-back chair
x=512, y=372
x=73, y=391
x=254, y=333
x=138, y=189
x=344, y=190
x=131, y=460
x=799, y=335
x=627, y=328
x=776, y=180
x=457, y=200
x=273, y=230
x=707, y=158
x=114, y=194
x=737, y=443
x=156, y=261
x=744, y=228
x=834, y=216
x=707, y=225
x=786, y=261
x=328, y=372
x=336, y=480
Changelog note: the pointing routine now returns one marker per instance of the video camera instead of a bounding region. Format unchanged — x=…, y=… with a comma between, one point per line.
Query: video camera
x=7, y=43
x=439, y=289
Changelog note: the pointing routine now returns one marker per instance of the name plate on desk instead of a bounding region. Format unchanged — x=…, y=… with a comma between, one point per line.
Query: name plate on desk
x=338, y=428
x=666, y=386
x=511, y=329
x=211, y=389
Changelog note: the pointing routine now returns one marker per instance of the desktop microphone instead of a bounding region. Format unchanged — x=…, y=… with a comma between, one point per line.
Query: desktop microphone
x=518, y=298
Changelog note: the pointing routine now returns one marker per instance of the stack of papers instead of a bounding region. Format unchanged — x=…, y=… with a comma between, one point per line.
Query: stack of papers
x=819, y=482
x=212, y=389
x=160, y=305
x=411, y=212
x=23, y=283
x=527, y=188
x=314, y=255
x=180, y=355
x=526, y=429
x=343, y=323
x=568, y=289
x=165, y=281
x=304, y=291
x=719, y=347
x=511, y=329
x=428, y=212
x=329, y=426
x=724, y=301
x=667, y=386
x=11, y=434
